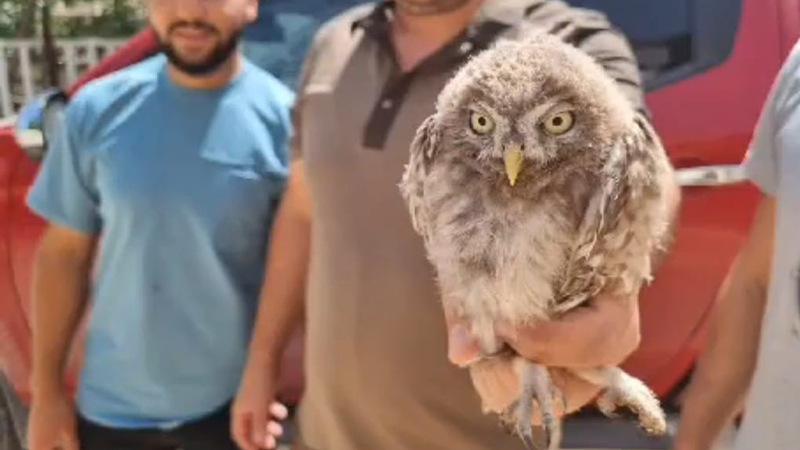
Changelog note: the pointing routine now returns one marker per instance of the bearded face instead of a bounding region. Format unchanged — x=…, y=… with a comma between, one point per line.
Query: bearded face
x=198, y=37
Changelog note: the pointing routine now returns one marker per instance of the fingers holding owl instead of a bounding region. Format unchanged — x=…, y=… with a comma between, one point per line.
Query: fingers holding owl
x=497, y=384
x=604, y=332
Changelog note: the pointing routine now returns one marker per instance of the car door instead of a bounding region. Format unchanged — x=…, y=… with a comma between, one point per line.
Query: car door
x=22, y=230
x=15, y=358
x=708, y=65
x=24, y=233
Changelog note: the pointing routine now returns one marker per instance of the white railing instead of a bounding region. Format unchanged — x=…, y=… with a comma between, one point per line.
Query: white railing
x=23, y=70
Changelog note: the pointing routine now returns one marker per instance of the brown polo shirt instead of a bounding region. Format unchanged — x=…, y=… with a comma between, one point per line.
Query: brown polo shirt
x=377, y=376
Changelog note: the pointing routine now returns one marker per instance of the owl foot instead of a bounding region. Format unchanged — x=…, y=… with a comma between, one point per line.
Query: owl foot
x=622, y=389
x=536, y=386
x=508, y=418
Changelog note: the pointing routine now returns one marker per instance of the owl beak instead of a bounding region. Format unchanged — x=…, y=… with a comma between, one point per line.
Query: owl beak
x=513, y=159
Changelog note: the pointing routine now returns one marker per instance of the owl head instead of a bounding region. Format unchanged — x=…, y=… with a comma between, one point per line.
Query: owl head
x=524, y=106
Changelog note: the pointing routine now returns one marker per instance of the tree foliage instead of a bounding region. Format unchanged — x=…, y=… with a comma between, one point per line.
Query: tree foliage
x=17, y=18
x=116, y=18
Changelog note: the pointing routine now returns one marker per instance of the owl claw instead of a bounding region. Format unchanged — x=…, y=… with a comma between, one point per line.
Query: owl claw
x=515, y=420
x=508, y=419
x=525, y=431
x=538, y=383
x=524, y=413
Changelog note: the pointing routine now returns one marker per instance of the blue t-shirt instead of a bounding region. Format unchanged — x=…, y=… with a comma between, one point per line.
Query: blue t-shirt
x=181, y=186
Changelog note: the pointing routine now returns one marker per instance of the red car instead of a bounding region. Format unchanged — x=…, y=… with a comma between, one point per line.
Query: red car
x=708, y=67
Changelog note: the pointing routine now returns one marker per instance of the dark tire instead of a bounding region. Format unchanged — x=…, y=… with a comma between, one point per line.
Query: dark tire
x=13, y=418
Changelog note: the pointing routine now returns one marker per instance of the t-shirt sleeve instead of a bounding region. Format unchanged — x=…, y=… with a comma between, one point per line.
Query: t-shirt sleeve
x=64, y=191
x=307, y=70
x=283, y=129
x=595, y=35
x=611, y=50
x=296, y=141
x=762, y=161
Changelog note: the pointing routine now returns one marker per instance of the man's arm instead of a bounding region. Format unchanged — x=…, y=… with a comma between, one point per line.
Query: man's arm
x=282, y=299
x=61, y=278
x=279, y=314
x=726, y=366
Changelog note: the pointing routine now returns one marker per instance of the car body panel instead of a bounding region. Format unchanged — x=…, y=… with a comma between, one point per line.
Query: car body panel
x=705, y=120
x=15, y=334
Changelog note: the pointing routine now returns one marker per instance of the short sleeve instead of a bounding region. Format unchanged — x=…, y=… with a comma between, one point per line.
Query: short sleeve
x=611, y=50
x=283, y=129
x=64, y=191
x=296, y=142
x=306, y=72
x=762, y=161
x=595, y=35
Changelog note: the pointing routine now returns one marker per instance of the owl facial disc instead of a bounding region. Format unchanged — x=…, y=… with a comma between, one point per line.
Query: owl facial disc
x=513, y=159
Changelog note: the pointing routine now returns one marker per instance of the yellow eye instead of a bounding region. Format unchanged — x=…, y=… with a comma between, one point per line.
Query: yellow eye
x=481, y=123
x=559, y=123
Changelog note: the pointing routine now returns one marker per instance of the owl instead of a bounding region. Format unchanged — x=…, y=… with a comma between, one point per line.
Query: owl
x=536, y=184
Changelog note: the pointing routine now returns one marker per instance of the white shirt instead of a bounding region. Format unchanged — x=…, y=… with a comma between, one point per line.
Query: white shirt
x=772, y=417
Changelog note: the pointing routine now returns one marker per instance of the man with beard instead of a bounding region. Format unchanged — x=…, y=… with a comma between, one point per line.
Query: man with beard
x=169, y=171
x=377, y=374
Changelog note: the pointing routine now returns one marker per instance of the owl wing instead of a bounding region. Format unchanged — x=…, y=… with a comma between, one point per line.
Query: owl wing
x=422, y=152
x=626, y=220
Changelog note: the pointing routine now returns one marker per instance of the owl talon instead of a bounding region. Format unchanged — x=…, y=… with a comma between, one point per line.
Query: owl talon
x=523, y=416
x=543, y=392
x=552, y=430
x=508, y=418
x=525, y=432
x=536, y=386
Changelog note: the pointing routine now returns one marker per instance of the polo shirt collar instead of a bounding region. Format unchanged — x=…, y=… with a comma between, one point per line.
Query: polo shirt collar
x=493, y=18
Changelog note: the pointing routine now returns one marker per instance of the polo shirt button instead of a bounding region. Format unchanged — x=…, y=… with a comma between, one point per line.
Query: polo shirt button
x=465, y=47
x=387, y=103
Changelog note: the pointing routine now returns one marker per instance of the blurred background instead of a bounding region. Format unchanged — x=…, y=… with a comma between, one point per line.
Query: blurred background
x=50, y=43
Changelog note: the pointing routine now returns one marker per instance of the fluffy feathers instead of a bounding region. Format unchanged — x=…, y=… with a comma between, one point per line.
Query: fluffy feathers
x=585, y=213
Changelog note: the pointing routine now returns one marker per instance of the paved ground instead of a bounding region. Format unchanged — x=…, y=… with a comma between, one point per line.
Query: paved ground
x=725, y=444
x=589, y=431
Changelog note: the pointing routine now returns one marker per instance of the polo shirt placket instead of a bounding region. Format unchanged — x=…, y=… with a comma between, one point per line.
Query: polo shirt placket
x=377, y=26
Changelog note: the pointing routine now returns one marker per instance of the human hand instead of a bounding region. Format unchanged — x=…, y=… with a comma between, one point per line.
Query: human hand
x=255, y=415
x=604, y=332
x=497, y=382
x=291, y=379
x=52, y=423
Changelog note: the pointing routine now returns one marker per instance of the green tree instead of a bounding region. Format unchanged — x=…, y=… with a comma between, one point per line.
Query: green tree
x=18, y=18
x=117, y=18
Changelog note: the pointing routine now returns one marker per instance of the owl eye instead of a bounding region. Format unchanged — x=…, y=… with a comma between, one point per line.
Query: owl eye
x=480, y=123
x=559, y=123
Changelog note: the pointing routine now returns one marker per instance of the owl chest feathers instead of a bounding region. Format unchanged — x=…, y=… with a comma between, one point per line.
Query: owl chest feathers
x=498, y=259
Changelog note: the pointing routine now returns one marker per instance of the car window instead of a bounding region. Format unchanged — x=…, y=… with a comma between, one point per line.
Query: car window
x=279, y=39
x=674, y=39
